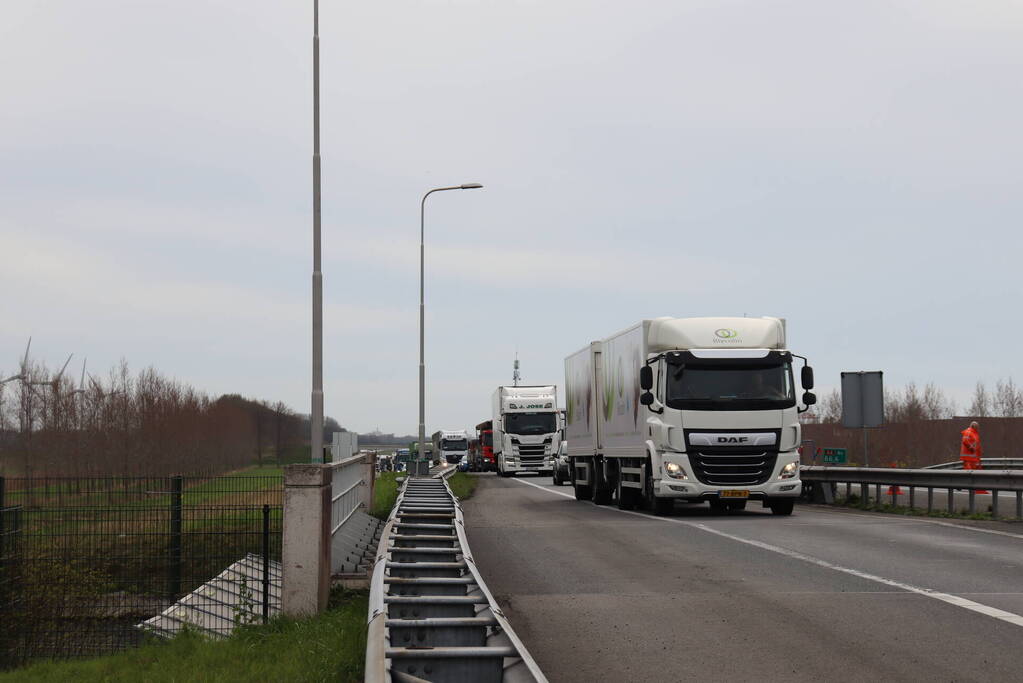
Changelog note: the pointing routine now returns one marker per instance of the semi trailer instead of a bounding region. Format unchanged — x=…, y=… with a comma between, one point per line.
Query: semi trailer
x=525, y=429
x=687, y=409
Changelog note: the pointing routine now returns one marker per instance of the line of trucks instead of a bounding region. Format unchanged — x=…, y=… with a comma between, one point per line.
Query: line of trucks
x=669, y=409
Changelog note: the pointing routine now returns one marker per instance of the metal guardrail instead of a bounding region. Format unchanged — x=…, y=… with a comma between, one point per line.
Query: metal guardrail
x=431, y=617
x=985, y=463
x=824, y=480
x=443, y=471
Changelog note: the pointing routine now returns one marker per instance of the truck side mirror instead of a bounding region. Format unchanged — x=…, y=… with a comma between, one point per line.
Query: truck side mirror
x=809, y=399
x=646, y=380
x=807, y=377
x=646, y=398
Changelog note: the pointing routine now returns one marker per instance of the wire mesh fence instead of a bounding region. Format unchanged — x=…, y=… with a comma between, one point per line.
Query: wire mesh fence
x=84, y=563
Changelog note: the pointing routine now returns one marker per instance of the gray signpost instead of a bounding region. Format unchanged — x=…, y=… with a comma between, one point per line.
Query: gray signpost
x=863, y=403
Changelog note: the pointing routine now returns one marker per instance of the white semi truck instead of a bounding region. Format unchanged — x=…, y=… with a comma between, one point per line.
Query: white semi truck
x=451, y=445
x=688, y=409
x=526, y=424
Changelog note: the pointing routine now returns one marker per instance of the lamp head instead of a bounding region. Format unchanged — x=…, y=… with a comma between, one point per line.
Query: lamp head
x=470, y=186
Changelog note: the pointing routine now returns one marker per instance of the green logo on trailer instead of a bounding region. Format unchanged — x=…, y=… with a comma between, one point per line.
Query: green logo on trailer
x=726, y=333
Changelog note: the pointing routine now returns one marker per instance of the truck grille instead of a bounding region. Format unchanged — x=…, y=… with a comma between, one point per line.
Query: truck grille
x=531, y=454
x=732, y=466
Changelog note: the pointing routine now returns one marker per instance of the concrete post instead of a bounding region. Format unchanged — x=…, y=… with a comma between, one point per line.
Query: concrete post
x=306, y=552
x=369, y=476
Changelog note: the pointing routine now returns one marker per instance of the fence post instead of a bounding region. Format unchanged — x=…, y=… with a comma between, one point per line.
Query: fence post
x=306, y=553
x=369, y=478
x=266, y=563
x=174, y=573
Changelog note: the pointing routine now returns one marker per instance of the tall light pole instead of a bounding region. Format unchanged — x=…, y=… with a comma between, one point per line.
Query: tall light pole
x=316, y=418
x=422, y=364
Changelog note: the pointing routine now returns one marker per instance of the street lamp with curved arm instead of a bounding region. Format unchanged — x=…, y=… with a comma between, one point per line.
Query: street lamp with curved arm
x=422, y=363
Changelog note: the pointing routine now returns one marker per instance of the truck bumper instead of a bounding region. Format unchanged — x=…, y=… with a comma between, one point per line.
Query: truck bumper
x=513, y=466
x=688, y=489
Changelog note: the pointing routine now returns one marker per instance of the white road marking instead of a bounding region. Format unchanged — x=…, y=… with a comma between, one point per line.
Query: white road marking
x=956, y=600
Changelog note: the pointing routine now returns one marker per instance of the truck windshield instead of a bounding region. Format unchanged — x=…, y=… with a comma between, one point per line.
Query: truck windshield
x=729, y=387
x=488, y=438
x=530, y=423
x=454, y=445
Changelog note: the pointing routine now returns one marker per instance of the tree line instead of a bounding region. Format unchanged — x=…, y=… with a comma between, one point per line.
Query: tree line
x=137, y=423
x=912, y=403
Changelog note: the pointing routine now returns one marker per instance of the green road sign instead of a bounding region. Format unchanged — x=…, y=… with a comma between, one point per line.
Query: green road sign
x=834, y=456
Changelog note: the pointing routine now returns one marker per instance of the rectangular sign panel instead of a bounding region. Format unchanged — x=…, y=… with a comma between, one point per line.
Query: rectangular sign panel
x=862, y=399
x=834, y=456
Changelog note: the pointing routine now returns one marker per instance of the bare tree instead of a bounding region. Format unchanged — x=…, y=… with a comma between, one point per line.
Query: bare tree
x=831, y=407
x=981, y=405
x=1008, y=400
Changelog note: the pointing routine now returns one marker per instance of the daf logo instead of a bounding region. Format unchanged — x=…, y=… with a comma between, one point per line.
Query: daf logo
x=733, y=439
x=726, y=333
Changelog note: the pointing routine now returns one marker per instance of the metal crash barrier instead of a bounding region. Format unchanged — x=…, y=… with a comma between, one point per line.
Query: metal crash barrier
x=431, y=617
x=823, y=483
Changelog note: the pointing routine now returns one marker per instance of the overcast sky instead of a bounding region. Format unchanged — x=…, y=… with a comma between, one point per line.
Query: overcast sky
x=852, y=167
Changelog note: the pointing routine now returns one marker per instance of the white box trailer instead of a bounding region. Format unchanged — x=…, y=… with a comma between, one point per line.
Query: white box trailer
x=526, y=428
x=690, y=409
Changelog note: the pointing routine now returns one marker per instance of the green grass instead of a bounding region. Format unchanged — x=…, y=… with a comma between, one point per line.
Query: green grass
x=329, y=647
x=462, y=485
x=385, y=492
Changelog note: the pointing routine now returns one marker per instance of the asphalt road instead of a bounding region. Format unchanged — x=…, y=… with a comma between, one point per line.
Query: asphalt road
x=827, y=594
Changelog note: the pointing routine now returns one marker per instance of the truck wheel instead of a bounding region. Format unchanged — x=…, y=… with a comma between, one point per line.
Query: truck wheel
x=659, y=506
x=782, y=507
x=582, y=491
x=601, y=490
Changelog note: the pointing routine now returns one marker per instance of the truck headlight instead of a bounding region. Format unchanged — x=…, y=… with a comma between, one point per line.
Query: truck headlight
x=674, y=470
x=789, y=470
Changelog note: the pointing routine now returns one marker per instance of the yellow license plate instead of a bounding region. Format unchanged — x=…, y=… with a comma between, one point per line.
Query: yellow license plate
x=733, y=494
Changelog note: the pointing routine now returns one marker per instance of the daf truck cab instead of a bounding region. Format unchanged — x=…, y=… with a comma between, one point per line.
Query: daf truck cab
x=688, y=409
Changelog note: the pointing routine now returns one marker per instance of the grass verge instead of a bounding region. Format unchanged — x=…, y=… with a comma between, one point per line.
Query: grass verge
x=855, y=503
x=385, y=492
x=462, y=485
x=329, y=647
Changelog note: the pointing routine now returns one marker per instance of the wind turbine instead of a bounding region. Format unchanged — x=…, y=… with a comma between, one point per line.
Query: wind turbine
x=23, y=375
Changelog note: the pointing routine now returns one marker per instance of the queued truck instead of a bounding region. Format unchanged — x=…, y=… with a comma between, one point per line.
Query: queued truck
x=525, y=428
x=687, y=409
x=451, y=445
x=485, y=437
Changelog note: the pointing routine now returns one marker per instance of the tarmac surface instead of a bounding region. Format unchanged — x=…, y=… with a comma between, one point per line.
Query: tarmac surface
x=599, y=594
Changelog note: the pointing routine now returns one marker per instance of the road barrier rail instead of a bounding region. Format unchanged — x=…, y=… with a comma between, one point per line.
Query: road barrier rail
x=985, y=463
x=823, y=480
x=431, y=616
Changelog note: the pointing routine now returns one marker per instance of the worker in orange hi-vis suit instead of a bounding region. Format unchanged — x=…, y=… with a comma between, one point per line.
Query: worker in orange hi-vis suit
x=970, y=450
